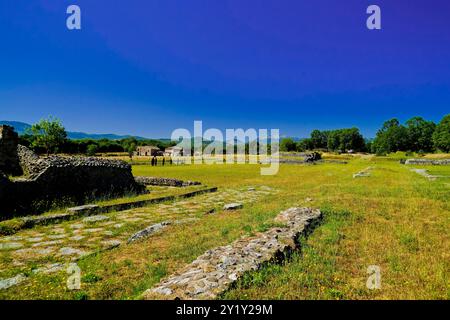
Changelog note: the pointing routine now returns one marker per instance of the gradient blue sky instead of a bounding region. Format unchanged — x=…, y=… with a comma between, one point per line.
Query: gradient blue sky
x=148, y=67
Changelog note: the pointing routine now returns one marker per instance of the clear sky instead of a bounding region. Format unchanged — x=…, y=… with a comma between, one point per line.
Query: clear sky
x=147, y=67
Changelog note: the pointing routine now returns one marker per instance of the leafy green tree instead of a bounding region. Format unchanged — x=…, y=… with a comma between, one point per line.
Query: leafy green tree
x=130, y=150
x=287, y=144
x=48, y=134
x=345, y=139
x=420, y=134
x=391, y=137
x=305, y=144
x=319, y=139
x=441, y=136
x=91, y=149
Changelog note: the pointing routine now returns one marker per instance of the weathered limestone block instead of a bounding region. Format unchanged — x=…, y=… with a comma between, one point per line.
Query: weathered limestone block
x=213, y=272
x=148, y=231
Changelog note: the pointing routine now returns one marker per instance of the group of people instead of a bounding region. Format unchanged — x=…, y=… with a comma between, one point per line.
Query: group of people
x=154, y=161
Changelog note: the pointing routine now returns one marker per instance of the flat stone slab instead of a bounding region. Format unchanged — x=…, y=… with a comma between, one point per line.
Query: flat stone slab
x=216, y=270
x=68, y=251
x=363, y=173
x=95, y=218
x=111, y=244
x=83, y=209
x=7, y=283
x=54, y=267
x=148, y=231
x=10, y=245
x=233, y=206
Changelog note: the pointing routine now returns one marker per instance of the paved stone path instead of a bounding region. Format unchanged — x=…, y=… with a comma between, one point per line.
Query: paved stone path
x=44, y=247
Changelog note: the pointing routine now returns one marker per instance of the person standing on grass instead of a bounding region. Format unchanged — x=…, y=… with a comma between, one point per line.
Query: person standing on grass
x=164, y=161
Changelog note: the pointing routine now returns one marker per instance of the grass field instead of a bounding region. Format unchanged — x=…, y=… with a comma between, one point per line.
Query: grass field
x=395, y=219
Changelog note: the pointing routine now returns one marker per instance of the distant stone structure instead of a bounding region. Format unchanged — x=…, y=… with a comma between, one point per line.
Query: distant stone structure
x=9, y=160
x=435, y=162
x=147, y=151
x=57, y=180
x=173, y=151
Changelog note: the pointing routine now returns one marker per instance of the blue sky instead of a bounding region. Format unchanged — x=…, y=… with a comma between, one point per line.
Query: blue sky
x=149, y=67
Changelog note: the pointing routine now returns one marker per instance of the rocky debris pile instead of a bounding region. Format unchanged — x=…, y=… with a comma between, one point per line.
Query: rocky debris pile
x=435, y=162
x=168, y=182
x=213, y=272
x=312, y=157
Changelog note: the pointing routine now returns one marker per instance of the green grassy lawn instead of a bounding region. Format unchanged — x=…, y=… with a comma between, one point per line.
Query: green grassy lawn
x=395, y=219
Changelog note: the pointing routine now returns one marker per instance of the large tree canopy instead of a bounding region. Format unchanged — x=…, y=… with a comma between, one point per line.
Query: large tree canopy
x=441, y=136
x=420, y=133
x=391, y=137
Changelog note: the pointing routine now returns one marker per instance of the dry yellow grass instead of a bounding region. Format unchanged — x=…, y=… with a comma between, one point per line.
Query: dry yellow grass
x=395, y=219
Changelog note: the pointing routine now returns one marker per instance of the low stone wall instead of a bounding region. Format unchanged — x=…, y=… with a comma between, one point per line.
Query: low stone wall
x=63, y=180
x=216, y=270
x=89, y=210
x=168, y=182
x=436, y=162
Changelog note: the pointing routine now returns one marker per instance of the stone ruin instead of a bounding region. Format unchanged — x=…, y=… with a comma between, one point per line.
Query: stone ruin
x=55, y=180
x=435, y=162
x=9, y=161
x=218, y=269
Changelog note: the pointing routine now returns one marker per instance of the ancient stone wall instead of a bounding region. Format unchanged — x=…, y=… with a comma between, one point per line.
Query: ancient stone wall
x=65, y=180
x=9, y=161
x=436, y=162
x=169, y=182
x=212, y=273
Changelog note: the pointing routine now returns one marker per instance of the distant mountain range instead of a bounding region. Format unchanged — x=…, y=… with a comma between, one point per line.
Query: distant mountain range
x=21, y=128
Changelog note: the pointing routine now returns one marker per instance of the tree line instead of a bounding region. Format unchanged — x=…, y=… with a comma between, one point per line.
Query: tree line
x=49, y=136
x=416, y=135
